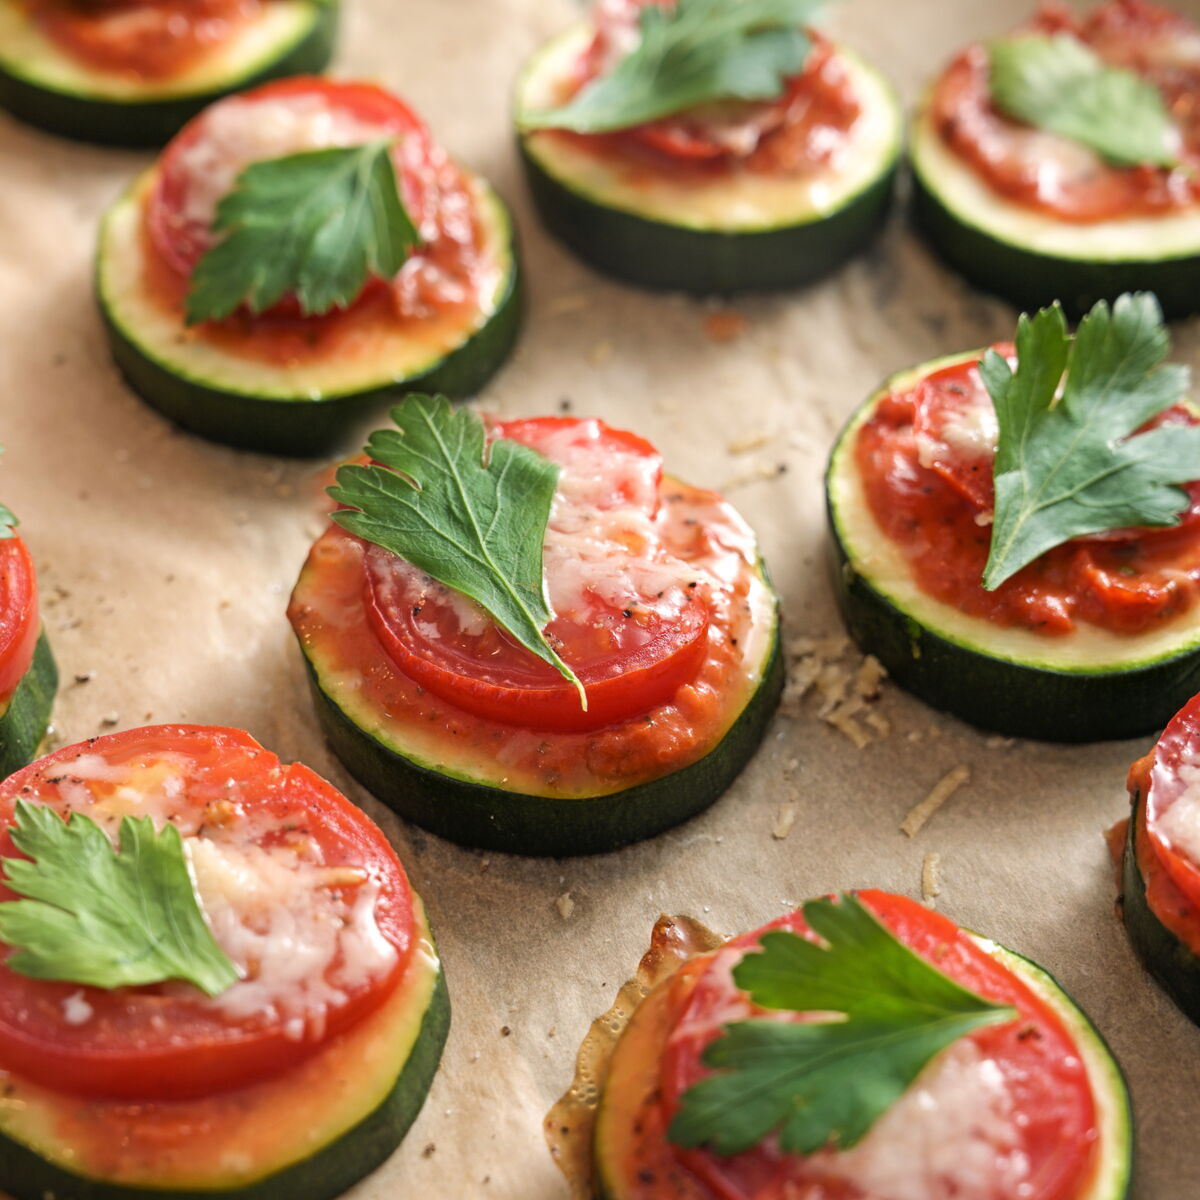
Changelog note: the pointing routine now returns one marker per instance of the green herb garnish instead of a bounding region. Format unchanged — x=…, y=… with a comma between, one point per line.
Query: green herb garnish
x=1058, y=84
x=1069, y=462
x=8, y=523
x=471, y=515
x=826, y=1082
x=700, y=52
x=103, y=917
x=313, y=225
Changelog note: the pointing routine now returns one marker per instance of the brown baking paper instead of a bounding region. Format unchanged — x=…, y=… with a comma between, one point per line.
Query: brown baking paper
x=166, y=563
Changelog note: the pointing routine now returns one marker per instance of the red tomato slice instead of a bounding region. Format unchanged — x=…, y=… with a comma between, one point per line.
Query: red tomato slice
x=19, y=624
x=284, y=827
x=956, y=430
x=631, y=640
x=1052, y=1109
x=180, y=225
x=1173, y=800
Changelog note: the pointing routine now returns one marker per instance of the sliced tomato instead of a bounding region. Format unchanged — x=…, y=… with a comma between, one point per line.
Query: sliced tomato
x=632, y=628
x=169, y=1041
x=150, y=39
x=224, y=138
x=1173, y=801
x=19, y=625
x=1053, y=1116
x=956, y=430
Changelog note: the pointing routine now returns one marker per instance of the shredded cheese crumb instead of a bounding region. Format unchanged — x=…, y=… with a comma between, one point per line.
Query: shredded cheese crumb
x=755, y=474
x=565, y=905
x=942, y=791
x=600, y=354
x=743, y=445
x=569, y=302
x=845, y=688
x=784, y=821
x=931, y=886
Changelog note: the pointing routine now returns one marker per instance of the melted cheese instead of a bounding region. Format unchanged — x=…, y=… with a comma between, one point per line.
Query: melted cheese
x=1179, y=824
x=301, y=931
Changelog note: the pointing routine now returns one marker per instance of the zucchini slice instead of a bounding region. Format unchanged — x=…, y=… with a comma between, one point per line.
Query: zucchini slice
x=297, y=409
x=470, y=779
x=43, y=86
x=737, y=233
x=360, y=1095
x=24, y=721
x=1032, y=259
x=1091, y=685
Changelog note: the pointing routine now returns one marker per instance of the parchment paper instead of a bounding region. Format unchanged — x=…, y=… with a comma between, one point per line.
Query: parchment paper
x=166, y=563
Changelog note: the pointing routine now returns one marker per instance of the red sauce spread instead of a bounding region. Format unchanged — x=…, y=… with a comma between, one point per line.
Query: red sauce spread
x=804, y=130
x=154, y=40
x=1060, y=177
x=1049, y=1112
x=925, y=459
x=442, y=281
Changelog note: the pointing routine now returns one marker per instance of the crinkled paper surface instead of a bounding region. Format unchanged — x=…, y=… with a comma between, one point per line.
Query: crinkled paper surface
x=166, y=563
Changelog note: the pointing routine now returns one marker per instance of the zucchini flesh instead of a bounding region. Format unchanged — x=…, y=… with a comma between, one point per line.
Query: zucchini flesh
x=733, y=235
x=407, y=1035
x=1088, y=686
x=45, y=88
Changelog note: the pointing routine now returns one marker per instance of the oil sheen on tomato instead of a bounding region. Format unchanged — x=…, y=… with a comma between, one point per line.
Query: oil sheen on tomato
x=445, y=276
x=301, y=890
x=926, y=458
x=1064, y=178
x=1006, y=1111
x=153, y=40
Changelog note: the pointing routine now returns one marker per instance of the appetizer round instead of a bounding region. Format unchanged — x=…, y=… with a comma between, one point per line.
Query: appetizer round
x=1160, y=892
x=28, y=676
x=132, y=72
x=1060, y=163
x=207, y=939
x=731, y=1080
x=297, y=254
x=721, y=193
x=658, y=605
x=1095, y=637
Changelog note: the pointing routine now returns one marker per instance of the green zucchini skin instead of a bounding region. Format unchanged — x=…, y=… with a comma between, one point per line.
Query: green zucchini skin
x=24, y=723
x=305, y=428
x=658, y=255
x=473, y=814
x=1029, y=279
x=998, y=694
x=1173, y=965
x=324, y=1176
x=152, y=123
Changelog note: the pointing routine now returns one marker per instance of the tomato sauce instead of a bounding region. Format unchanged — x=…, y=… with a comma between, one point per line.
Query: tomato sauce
x=939, y=515
x=803, y=131
x=1054, y=175
x=153, y=40
x=1053, y=1107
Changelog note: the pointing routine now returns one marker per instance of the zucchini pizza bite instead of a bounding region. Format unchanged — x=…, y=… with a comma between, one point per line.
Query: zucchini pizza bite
x=297, y=253
x=707, y=145
x=526, y=637
x=1160, y=885
x=131, y=72
x=1016, y=533
x=216, y=979
x=1061, y=162
x=860, y=1048
x=28, y=676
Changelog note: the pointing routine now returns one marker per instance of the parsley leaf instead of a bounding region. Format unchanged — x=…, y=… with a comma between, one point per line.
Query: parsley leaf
x=472, y=519
x=104, y=917
x=697, y=53
x=8, y=523
x=1058, y=84
x=313, y=224
x=1073, y=466
x=826, y=1082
